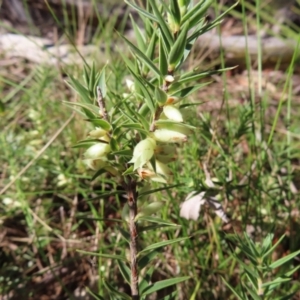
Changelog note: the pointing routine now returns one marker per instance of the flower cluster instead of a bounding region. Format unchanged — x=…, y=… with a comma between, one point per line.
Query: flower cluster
x=151, y=155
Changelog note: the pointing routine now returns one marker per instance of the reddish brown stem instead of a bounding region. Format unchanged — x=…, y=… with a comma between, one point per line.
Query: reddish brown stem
x=132, y=203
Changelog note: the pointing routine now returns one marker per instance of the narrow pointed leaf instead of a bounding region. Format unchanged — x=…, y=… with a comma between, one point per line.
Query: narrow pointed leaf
x=163, y=62
x=158, y=221
x=159, y=189
x=163, y=244
x=125, y=271
x=269, y=251
x=100, y=123
x=177, y=49
x=138, y=35
x=80, y=89
x=198, y=8
x=92, y=78
x=194, y=76
x=145, y=260
x=283, y=260
x=91, y=107
x=163, y=284
x=143, y=57
x=148, y=98
x=185, y=92
x=238, y=296
x=167, y=35
x=115, y=292
x=175, y=11
x=111, y=256
x=101, y=83
x=142, y=11
x=94, y=295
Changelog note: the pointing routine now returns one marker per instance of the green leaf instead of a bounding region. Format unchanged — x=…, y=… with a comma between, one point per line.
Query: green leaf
x=136, y=126
x=139, y=36
x=177, y=49
x=125, y=152
x=275, y=283
x=85, y=143
x=128, y=171
x=175, y=11
x=163, y=244
x=125, y=271
x=171, y=296
x=92, y=80
x=100, y=123
x=157, y=221
x=239, y=297
x=145, y=260
x=142, y=11
x=162, y=59
x=160, y=96
x=86, y=76
x=197, y=10
x=143, y=57
x=156, y=227
x=146, y=280
x=151, y=48
x=252, y=293
x=194, y=76
x=111, y=256
x=94, y=295
x=91, y=107
x=147, y=95
x=158, y=190
x=283, y=260
x=101, y=83
x=163, y=284
x=266, y=252
x=185, y=92
x=115, y=292
x=80, y=89
x=217, y=21
x=292, y=271
x=98, y=173
x=166, y=33
x=127, y=61
x=287, y=297
x=125, y=234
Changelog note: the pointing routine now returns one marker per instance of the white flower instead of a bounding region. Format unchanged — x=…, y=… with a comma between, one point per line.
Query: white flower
x=143, y=152
x=190, y=208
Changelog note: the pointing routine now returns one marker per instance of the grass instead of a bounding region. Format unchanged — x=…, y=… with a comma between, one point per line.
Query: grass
x=250, y=137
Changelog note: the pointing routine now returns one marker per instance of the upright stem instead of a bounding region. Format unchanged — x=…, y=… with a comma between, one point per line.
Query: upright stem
x=132, y=203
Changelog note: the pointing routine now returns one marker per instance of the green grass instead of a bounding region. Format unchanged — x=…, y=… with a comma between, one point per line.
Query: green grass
x=53, y=209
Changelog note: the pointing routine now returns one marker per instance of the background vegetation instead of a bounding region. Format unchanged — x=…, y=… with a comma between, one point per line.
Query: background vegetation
x=248, y=129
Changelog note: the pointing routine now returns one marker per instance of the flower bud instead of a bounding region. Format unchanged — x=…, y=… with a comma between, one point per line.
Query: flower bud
x=169, y=78
x=169, y=136
x=97, y=133
x=172, y=113
x=97, y=151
